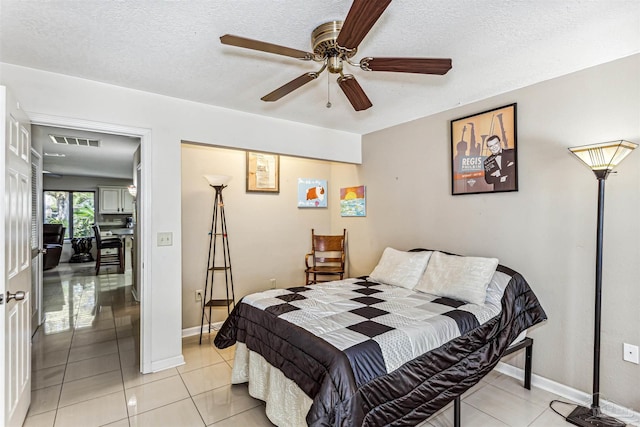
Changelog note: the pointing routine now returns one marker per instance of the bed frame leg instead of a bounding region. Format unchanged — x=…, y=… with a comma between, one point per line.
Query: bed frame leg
x=527, y=344
x=527, y=365
x=456, y=412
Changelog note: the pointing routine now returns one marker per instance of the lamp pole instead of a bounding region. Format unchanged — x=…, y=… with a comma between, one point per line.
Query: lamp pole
x=593, y=417
x=595, y=406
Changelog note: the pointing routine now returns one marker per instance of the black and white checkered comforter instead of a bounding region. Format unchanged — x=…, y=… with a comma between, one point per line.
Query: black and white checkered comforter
x=373, y=354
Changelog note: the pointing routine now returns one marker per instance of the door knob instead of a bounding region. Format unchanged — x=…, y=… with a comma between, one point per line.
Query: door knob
x=43, y=251
x=18, y=296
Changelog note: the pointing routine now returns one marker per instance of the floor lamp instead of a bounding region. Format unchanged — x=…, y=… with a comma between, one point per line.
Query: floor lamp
x=602, y=159
x=218, y=239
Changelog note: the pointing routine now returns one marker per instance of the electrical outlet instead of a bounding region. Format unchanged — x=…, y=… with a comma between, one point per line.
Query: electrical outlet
x=199, y=295
x=272, y=282
x=630, y=353
x=165, y=239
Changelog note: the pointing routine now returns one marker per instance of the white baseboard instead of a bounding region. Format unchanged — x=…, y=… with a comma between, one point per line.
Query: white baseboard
x=620, y=412
x=171, y=362
x=189, y=332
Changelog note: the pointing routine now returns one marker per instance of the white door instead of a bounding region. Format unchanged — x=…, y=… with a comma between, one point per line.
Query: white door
x=16, y=263
x=37, y=313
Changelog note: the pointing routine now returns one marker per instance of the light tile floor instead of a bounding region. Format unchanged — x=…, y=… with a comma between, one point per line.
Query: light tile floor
x=86, y=371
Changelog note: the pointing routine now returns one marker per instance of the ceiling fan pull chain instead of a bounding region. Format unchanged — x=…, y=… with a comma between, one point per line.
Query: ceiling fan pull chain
x=328, y=92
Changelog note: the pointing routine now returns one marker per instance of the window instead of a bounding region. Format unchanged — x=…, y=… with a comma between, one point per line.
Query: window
x=74, y=209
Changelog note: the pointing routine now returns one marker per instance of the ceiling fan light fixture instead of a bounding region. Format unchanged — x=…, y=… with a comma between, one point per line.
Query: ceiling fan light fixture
x=334, y=64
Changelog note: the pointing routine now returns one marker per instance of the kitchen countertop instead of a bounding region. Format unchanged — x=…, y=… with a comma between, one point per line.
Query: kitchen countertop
x=111, y=224
x=122, y=231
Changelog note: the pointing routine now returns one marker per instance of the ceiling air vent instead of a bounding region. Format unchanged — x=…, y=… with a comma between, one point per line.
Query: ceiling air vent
x=72, y=140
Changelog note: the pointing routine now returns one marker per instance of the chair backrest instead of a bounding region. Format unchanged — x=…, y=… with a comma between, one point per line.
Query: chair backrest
x=96, y=231
x=53, y=234
x=328, y=249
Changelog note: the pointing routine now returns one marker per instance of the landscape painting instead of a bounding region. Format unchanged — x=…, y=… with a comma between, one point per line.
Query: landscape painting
x=353, y=201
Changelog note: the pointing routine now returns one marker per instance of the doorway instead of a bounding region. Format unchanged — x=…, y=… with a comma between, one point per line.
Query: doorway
x=143, y=241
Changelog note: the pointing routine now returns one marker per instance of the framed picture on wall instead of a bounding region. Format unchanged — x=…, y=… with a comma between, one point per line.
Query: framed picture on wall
x=263, y=172
x=484, y=152
x=312, y=193
x=353, y=201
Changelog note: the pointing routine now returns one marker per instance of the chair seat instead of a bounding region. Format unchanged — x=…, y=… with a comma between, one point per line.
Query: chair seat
x=320, y=270
x=111, y=243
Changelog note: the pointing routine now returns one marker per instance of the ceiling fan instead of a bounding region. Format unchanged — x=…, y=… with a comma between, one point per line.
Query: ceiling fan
x=335, y=43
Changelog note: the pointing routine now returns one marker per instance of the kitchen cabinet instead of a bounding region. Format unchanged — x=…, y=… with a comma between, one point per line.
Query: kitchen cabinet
x=115, y=200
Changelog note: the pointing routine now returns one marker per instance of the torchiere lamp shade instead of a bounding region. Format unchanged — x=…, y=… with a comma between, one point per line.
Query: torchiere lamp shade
x=217, y=180
x=602, y=158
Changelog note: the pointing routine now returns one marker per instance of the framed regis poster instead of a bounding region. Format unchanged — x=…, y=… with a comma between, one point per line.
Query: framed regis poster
x=483, y=152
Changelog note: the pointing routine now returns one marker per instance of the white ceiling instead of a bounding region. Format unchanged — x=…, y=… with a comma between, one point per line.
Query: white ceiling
x=113, y=158
x=173, y=48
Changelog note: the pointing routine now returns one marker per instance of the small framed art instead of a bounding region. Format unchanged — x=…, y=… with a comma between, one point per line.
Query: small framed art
x=263, y=172
x=312, y=193
x=353, y=201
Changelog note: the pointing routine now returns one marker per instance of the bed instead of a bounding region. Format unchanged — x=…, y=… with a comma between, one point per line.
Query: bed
x=391, y=348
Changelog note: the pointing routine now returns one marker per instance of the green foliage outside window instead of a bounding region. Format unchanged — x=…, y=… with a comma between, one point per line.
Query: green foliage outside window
x=83, y=214
x=75, y=207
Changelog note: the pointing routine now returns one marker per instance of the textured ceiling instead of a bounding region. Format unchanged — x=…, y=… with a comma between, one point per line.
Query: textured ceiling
x=173, y=48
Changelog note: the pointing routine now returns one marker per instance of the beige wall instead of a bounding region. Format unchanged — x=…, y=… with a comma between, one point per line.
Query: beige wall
x=268, y=234
x=546, y=230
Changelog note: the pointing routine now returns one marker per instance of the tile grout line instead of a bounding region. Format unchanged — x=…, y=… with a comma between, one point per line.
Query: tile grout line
x=191, y=397
x=66, y=365
x=511, y=395
x=124, y=393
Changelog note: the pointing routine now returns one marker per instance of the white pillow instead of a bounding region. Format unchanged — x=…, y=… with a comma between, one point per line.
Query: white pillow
x=399, y=268
x=458, y=277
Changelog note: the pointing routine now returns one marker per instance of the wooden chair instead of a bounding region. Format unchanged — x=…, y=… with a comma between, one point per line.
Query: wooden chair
x=108, y=257
x=326, y=258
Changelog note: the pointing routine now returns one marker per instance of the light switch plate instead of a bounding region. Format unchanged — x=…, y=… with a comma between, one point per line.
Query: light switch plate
x=165, y=239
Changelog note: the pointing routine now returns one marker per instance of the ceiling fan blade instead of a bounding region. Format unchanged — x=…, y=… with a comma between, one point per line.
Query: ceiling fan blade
x=407, y=65
x=354, y=92
x=361, y=17
x=265, y=47
x=290, y=87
